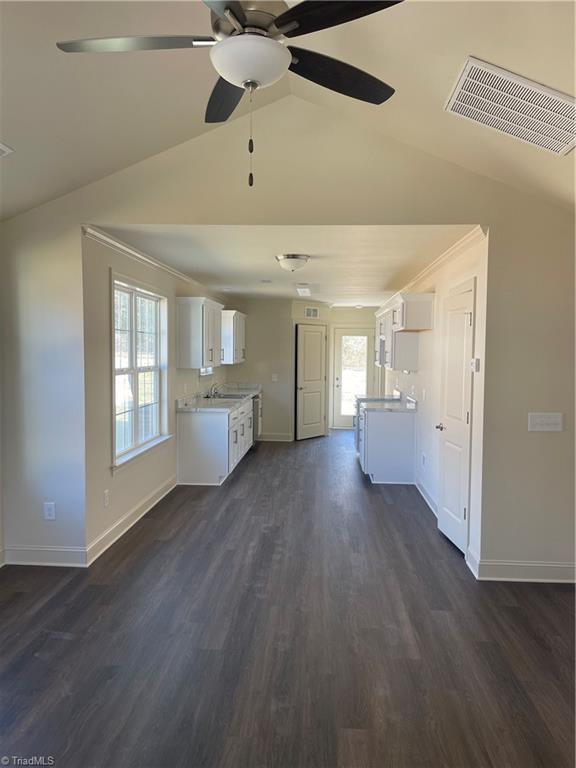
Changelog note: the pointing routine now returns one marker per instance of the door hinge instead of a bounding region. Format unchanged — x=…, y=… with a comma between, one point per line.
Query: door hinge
x=465, y=513
x=470, y=318
x=467, y=417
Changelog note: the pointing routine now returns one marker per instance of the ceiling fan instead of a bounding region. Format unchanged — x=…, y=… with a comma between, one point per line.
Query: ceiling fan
x=248, y=50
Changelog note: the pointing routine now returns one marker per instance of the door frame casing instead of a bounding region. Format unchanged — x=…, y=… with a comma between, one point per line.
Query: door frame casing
x=295, y=324
x=360, y=330
x=467, y=286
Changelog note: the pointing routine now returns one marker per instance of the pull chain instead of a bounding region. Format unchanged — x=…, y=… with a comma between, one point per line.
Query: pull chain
x=251, y=141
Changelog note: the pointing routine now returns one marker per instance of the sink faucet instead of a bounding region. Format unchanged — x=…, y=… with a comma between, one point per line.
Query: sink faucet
x=213, y=390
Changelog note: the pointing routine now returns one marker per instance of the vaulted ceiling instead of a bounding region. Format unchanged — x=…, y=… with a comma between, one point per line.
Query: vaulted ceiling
x=73, y=119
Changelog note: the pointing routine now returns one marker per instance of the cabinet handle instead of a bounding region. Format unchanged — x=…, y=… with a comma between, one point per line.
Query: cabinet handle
x=250, y=424
x=243, y=351
x=211, y=355
x=242, y=428
x=222, y=353
x=235, y=435
x=440, y=426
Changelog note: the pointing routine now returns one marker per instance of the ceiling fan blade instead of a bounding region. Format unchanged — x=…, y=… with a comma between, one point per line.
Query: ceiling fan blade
x=221, y=6
x=338, y=76
x=223, y=100
x=138, y=43
x=311, y=16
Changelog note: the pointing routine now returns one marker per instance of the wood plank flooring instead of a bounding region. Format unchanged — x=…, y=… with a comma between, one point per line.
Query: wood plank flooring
x=296, y=617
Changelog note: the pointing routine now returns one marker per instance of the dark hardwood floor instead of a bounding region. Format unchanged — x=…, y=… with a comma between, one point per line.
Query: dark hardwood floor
x=295, y=617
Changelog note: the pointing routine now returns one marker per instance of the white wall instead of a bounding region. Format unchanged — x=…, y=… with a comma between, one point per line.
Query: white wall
x=528, y=493
x=135, y=486
x=269, y=353
x=463, y=263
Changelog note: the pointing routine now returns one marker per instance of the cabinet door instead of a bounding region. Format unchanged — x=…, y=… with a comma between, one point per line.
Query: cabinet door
x=250, y=431
x=217, y=335
x=236, y=337
x=207, y=352
x=397, y=313
x=243, y=336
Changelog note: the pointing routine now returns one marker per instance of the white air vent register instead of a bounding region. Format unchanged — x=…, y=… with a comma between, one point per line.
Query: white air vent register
x=514, y=105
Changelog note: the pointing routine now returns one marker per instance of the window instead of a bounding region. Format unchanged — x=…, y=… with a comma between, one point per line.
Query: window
x=137, y=379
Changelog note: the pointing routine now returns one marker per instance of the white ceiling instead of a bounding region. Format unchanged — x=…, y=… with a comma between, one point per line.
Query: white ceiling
x=349, y=265
x=73, y=119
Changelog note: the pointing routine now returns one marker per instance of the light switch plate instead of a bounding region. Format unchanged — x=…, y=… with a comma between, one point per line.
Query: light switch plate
x=545, y=422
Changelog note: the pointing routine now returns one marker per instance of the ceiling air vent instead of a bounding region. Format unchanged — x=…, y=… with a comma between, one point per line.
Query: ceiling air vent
x=514, y=105
x=311, y=312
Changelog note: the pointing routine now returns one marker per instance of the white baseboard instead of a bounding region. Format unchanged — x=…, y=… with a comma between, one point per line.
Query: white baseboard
x=82, y=557
x=427, y=498
x=119, y=528
x=520, y=570
x=472, y=560
x=276, y=437
x=2, y=558
x=60, y=557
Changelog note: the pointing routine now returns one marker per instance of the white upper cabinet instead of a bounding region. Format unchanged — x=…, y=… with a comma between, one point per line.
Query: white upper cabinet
x=413, y=312
x=199, y=332
x=233, y=337
x=398, y=349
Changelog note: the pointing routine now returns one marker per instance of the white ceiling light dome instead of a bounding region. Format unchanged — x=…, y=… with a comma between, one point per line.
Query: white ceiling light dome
x=250, y=58
x=292, y=261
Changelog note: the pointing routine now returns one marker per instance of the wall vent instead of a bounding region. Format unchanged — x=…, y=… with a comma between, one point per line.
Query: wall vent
x=5, y=150
x=312, y=312
x=514, y=105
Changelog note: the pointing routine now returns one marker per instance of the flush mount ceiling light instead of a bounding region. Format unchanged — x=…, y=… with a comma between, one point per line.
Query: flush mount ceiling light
x=292, y=261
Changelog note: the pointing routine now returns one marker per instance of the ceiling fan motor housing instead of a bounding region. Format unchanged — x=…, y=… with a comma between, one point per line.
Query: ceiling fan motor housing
x=250, y=58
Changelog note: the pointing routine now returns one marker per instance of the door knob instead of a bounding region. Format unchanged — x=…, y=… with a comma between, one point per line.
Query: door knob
x=299, y=388
x=440, y=426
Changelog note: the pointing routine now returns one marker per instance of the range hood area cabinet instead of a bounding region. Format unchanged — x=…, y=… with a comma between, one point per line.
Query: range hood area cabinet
x=198, y=332
x=396, y=330
x=233, y=337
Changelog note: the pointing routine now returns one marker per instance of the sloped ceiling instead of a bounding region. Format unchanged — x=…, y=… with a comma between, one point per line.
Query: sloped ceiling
x=73, y=119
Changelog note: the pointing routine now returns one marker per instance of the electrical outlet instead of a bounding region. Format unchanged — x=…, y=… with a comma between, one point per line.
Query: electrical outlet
x=106, y=498
x=275, y=378
x=49, y=508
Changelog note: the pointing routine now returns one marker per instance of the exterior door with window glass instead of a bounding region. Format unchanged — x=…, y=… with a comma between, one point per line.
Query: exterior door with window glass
x=353, y=372
x=136, y=369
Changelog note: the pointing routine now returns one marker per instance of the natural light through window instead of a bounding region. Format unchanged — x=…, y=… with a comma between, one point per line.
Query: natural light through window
x=136, y=368
x=354, y=372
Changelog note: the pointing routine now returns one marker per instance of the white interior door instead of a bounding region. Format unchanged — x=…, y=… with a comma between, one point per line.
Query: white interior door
x=310, y=381
x=454, y=425
x=353, y=372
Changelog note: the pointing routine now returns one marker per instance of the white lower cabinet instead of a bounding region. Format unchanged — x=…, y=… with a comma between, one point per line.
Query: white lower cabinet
x=386, y=445
x=211, y=443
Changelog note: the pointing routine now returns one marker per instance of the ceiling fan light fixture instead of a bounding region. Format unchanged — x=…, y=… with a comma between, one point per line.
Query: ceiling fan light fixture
x=250, y=58
x=291, y=262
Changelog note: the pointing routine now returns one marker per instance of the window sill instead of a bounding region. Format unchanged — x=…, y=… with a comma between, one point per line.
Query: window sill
x=140, y=451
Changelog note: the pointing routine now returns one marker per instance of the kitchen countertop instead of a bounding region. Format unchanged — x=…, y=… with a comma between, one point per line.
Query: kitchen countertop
x=194, y=404
x=393, y=405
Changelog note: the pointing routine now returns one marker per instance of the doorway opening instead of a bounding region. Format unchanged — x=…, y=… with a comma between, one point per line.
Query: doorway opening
x=353, y=372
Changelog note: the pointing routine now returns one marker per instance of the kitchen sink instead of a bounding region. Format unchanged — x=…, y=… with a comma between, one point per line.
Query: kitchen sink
x=227, y=396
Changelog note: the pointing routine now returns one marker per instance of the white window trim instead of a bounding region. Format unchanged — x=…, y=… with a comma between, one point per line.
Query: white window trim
x=136, y=288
